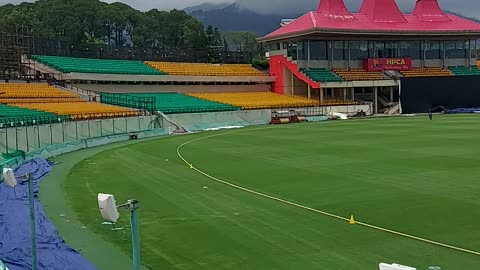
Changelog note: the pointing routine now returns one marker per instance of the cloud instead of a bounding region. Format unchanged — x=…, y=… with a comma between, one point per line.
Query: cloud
x=466, y=7
x=145, y=4
x=469, y=8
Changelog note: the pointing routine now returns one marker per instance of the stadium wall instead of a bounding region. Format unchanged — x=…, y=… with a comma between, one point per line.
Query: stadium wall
x=116, y=88
x=212, y=120
x=417, y=95
x=33, y=138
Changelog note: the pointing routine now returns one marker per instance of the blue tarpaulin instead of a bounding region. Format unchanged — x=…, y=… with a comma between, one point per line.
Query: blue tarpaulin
x=464, y=110
x=15, y=244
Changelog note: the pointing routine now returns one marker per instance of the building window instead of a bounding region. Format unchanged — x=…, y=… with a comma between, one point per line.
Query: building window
x=432, y=49
x=292, y=50
x=318, y=50
x=273, y=47
x=473, y=48
x=409, y=49
x=379, y=49
x=358, y=50
x=339, y=50
x=391, y=48
x=456, y=49
x=302, y=50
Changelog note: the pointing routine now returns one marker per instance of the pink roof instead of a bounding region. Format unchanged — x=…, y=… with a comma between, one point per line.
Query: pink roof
x=334, y=9
x=429, y=11
x=378, y=16
x=382, y=11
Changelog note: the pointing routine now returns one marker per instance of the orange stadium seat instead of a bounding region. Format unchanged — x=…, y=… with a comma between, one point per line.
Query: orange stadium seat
x=427, y=72
x=199, y=69
x=359, y=74
x=265, y=100
x=256, y=100
x=43, y=97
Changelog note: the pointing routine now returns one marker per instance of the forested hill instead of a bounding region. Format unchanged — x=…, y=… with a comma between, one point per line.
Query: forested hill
x=95, y=22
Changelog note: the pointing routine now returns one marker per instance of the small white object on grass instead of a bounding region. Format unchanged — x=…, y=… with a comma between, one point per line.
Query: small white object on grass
x=166, y=159
x=205, y=187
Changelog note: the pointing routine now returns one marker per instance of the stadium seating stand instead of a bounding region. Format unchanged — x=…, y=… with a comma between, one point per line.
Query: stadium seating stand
x=321, y=75
x=201, y=69
x=359, y=74
x=100, y=66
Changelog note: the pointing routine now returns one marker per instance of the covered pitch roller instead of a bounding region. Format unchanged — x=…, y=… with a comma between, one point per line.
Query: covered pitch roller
x=286, y=117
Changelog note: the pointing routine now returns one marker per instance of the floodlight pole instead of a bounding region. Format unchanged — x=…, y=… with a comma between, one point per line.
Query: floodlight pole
x=133, y=206
x=32, y=222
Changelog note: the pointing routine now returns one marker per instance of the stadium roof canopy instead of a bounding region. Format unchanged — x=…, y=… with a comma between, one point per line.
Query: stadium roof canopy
x=376, y=17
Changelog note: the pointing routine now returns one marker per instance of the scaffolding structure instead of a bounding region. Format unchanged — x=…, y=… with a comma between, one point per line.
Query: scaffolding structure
x=15, y=48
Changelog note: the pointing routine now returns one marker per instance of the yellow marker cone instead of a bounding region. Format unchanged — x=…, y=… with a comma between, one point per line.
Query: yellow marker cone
x=352, y=220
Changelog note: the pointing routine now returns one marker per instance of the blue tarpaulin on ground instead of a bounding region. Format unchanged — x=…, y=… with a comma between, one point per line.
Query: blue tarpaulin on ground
x=464, y=110
x=15, y=244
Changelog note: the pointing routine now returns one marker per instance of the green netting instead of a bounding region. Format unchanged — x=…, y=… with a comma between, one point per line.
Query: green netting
x=15, y=154
x=171, y=103
x=321, y=75
x=101, y=66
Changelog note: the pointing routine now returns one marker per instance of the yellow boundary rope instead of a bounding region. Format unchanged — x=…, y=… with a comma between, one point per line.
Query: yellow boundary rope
x=306, y=207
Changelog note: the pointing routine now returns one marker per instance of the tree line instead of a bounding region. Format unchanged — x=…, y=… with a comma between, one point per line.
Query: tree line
x=91, y=22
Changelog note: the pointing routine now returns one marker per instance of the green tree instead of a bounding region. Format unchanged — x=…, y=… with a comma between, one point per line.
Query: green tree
x=86, y=22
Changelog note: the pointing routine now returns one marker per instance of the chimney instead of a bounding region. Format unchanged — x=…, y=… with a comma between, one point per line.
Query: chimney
x=429, y=11
x=334, y=9
x=382, y=11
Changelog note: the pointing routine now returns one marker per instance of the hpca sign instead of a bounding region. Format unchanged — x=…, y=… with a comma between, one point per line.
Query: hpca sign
x=381, y=64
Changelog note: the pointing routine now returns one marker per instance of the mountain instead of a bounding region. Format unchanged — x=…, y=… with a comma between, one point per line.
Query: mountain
x=207, y=7
x=233, y=18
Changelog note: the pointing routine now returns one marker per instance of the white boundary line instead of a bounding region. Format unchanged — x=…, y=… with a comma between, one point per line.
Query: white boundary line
x=473, y=252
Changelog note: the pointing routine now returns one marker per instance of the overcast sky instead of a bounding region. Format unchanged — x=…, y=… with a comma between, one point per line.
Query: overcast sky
x=466, y=7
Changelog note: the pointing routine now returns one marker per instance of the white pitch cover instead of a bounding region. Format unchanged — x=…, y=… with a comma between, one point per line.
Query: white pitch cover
x=108, y=207
x=394, y=266
x=9, y=177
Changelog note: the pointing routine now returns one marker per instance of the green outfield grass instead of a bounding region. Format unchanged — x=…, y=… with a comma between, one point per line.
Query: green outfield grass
x=410, y=175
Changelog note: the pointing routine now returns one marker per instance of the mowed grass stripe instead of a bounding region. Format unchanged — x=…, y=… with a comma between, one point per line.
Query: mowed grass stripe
x=371, y=175
x=329, y=214
x=248, y=232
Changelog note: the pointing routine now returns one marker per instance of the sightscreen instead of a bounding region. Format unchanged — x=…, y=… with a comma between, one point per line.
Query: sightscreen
x=418, y=95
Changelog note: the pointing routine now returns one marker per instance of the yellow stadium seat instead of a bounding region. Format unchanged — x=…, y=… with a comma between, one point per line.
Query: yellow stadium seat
x=201, y=69
x=264, y=100
x=359, y=74
x=47, y=98
x=427, y=72
x=256, y=100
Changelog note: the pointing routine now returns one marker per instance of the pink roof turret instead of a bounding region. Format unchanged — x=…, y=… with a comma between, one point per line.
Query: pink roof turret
x=429, y=11
x=376, y=17
x=382, y=11
x=334, y=9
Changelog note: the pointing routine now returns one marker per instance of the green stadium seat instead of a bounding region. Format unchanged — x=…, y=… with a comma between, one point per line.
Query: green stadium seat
x=171, y=103
x=465, y=71
x=9, y=114
x=99, y=66
x=321, y=75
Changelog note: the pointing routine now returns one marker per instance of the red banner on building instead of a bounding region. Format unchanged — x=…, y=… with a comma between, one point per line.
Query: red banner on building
x=380, y=64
